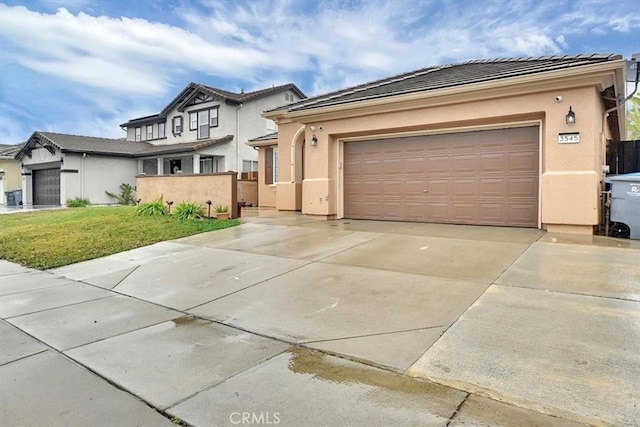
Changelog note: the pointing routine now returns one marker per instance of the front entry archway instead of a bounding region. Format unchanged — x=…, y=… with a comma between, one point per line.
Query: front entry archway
x=297, y=167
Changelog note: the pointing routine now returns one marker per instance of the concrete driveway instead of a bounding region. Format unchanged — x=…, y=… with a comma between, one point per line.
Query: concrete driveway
x=292, y=321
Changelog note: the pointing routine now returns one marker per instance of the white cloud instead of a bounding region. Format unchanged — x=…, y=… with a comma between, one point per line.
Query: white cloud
x=106, y=52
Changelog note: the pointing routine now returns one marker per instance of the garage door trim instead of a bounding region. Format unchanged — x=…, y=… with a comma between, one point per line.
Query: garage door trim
x=440, y=131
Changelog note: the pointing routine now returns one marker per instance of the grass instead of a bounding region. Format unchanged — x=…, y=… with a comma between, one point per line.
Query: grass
x=50, y=239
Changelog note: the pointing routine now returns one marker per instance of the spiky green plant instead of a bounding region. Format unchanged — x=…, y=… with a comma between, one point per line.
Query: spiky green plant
x=153, y=208
x=189, y=211
x=126, y=196
x=78, y=202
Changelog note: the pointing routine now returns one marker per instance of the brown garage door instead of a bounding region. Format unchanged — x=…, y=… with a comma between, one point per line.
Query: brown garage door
x=46, y=186
x=484, y=177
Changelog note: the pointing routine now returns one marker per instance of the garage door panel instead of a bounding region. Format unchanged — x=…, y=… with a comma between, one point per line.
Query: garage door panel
x=437, y=164
x=465, y=163
x=464, y=188
x=484, y=177
x=491, y=162
x=524, y=162
x=521, y=214
x=492, y=187
x=522, y=187
x=493, y=212
x=438, y=187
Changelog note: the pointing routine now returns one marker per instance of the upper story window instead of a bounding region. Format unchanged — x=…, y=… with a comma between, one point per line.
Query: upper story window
x=161, y=130
x=138, y=134
x=177, y=125
x=149, y=132
x=288, y=97
x=203, y=120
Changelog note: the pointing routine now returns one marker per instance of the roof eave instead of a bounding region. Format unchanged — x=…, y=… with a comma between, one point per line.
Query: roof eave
x=481, y=90
x=263, y=143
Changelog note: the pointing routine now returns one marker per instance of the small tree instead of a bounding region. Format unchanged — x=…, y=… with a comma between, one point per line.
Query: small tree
x=126, y=196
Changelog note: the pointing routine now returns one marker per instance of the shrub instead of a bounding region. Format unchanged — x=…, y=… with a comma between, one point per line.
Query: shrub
x=221, y=209
x=154, y=208
x=126, y=195
x=189, y=211
x=78, y=202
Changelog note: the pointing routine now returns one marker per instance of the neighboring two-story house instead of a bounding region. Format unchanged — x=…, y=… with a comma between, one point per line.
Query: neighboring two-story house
x=221, y=122
x=202, y=130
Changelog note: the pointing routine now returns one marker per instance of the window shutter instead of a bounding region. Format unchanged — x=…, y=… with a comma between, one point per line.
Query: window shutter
x=268, y=165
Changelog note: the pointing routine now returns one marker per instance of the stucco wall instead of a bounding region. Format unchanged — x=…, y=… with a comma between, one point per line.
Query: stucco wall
x=248, y=192
x=570, y=173
x=220, y=188
x=11, y=180
x=96, y=174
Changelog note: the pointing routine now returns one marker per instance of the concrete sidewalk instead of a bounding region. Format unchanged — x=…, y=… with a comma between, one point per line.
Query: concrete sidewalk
x=292, y=321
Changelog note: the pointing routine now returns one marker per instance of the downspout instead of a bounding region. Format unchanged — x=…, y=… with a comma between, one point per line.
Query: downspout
x=82, y=175
x=619, y=104
x=238, y=165
x=603, y=144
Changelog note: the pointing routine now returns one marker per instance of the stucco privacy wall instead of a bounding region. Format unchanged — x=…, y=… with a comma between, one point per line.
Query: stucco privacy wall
x=220, y=188
x=570, y=172
x=248, y=192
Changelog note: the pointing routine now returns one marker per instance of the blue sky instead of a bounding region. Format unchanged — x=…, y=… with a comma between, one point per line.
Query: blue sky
x=85, y=66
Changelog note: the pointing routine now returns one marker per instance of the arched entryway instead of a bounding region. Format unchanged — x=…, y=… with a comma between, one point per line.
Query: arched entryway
x=297, y=165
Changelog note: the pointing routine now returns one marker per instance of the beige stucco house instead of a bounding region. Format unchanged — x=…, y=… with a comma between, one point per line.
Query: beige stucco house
x=9, y=170
x=509, y=142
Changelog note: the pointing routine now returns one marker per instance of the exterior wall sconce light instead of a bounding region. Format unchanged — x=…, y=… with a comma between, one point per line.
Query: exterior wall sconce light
x=314, y=141
x=571, y=117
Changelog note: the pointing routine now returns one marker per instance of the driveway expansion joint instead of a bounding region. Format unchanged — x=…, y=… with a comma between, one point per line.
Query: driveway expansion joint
x=455, y=412
x=374, y=334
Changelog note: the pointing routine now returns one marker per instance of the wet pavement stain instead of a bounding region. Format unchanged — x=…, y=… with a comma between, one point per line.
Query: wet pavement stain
x=375, y=382
x=184, y=321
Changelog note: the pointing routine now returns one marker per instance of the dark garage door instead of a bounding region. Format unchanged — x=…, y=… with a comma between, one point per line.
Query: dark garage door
x=46, y=187
x=483, y=177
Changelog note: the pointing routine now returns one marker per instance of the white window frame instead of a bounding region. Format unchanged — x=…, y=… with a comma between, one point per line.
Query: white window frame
x=149, y=132
x=138, y=136
x=162, y=132
x=213, y=117
x=176, y=125
x=203, y=124
x=193, y=120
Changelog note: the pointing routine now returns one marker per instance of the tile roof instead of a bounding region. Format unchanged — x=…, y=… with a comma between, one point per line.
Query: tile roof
x=9, y=150
x=443, y=76
x=263, y=140
x=115, y=147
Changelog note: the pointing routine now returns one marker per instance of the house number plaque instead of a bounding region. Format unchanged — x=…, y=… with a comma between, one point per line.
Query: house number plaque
x=569, y=138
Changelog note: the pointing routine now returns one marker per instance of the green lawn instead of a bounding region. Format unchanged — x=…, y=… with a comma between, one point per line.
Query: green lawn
x=49, y=239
